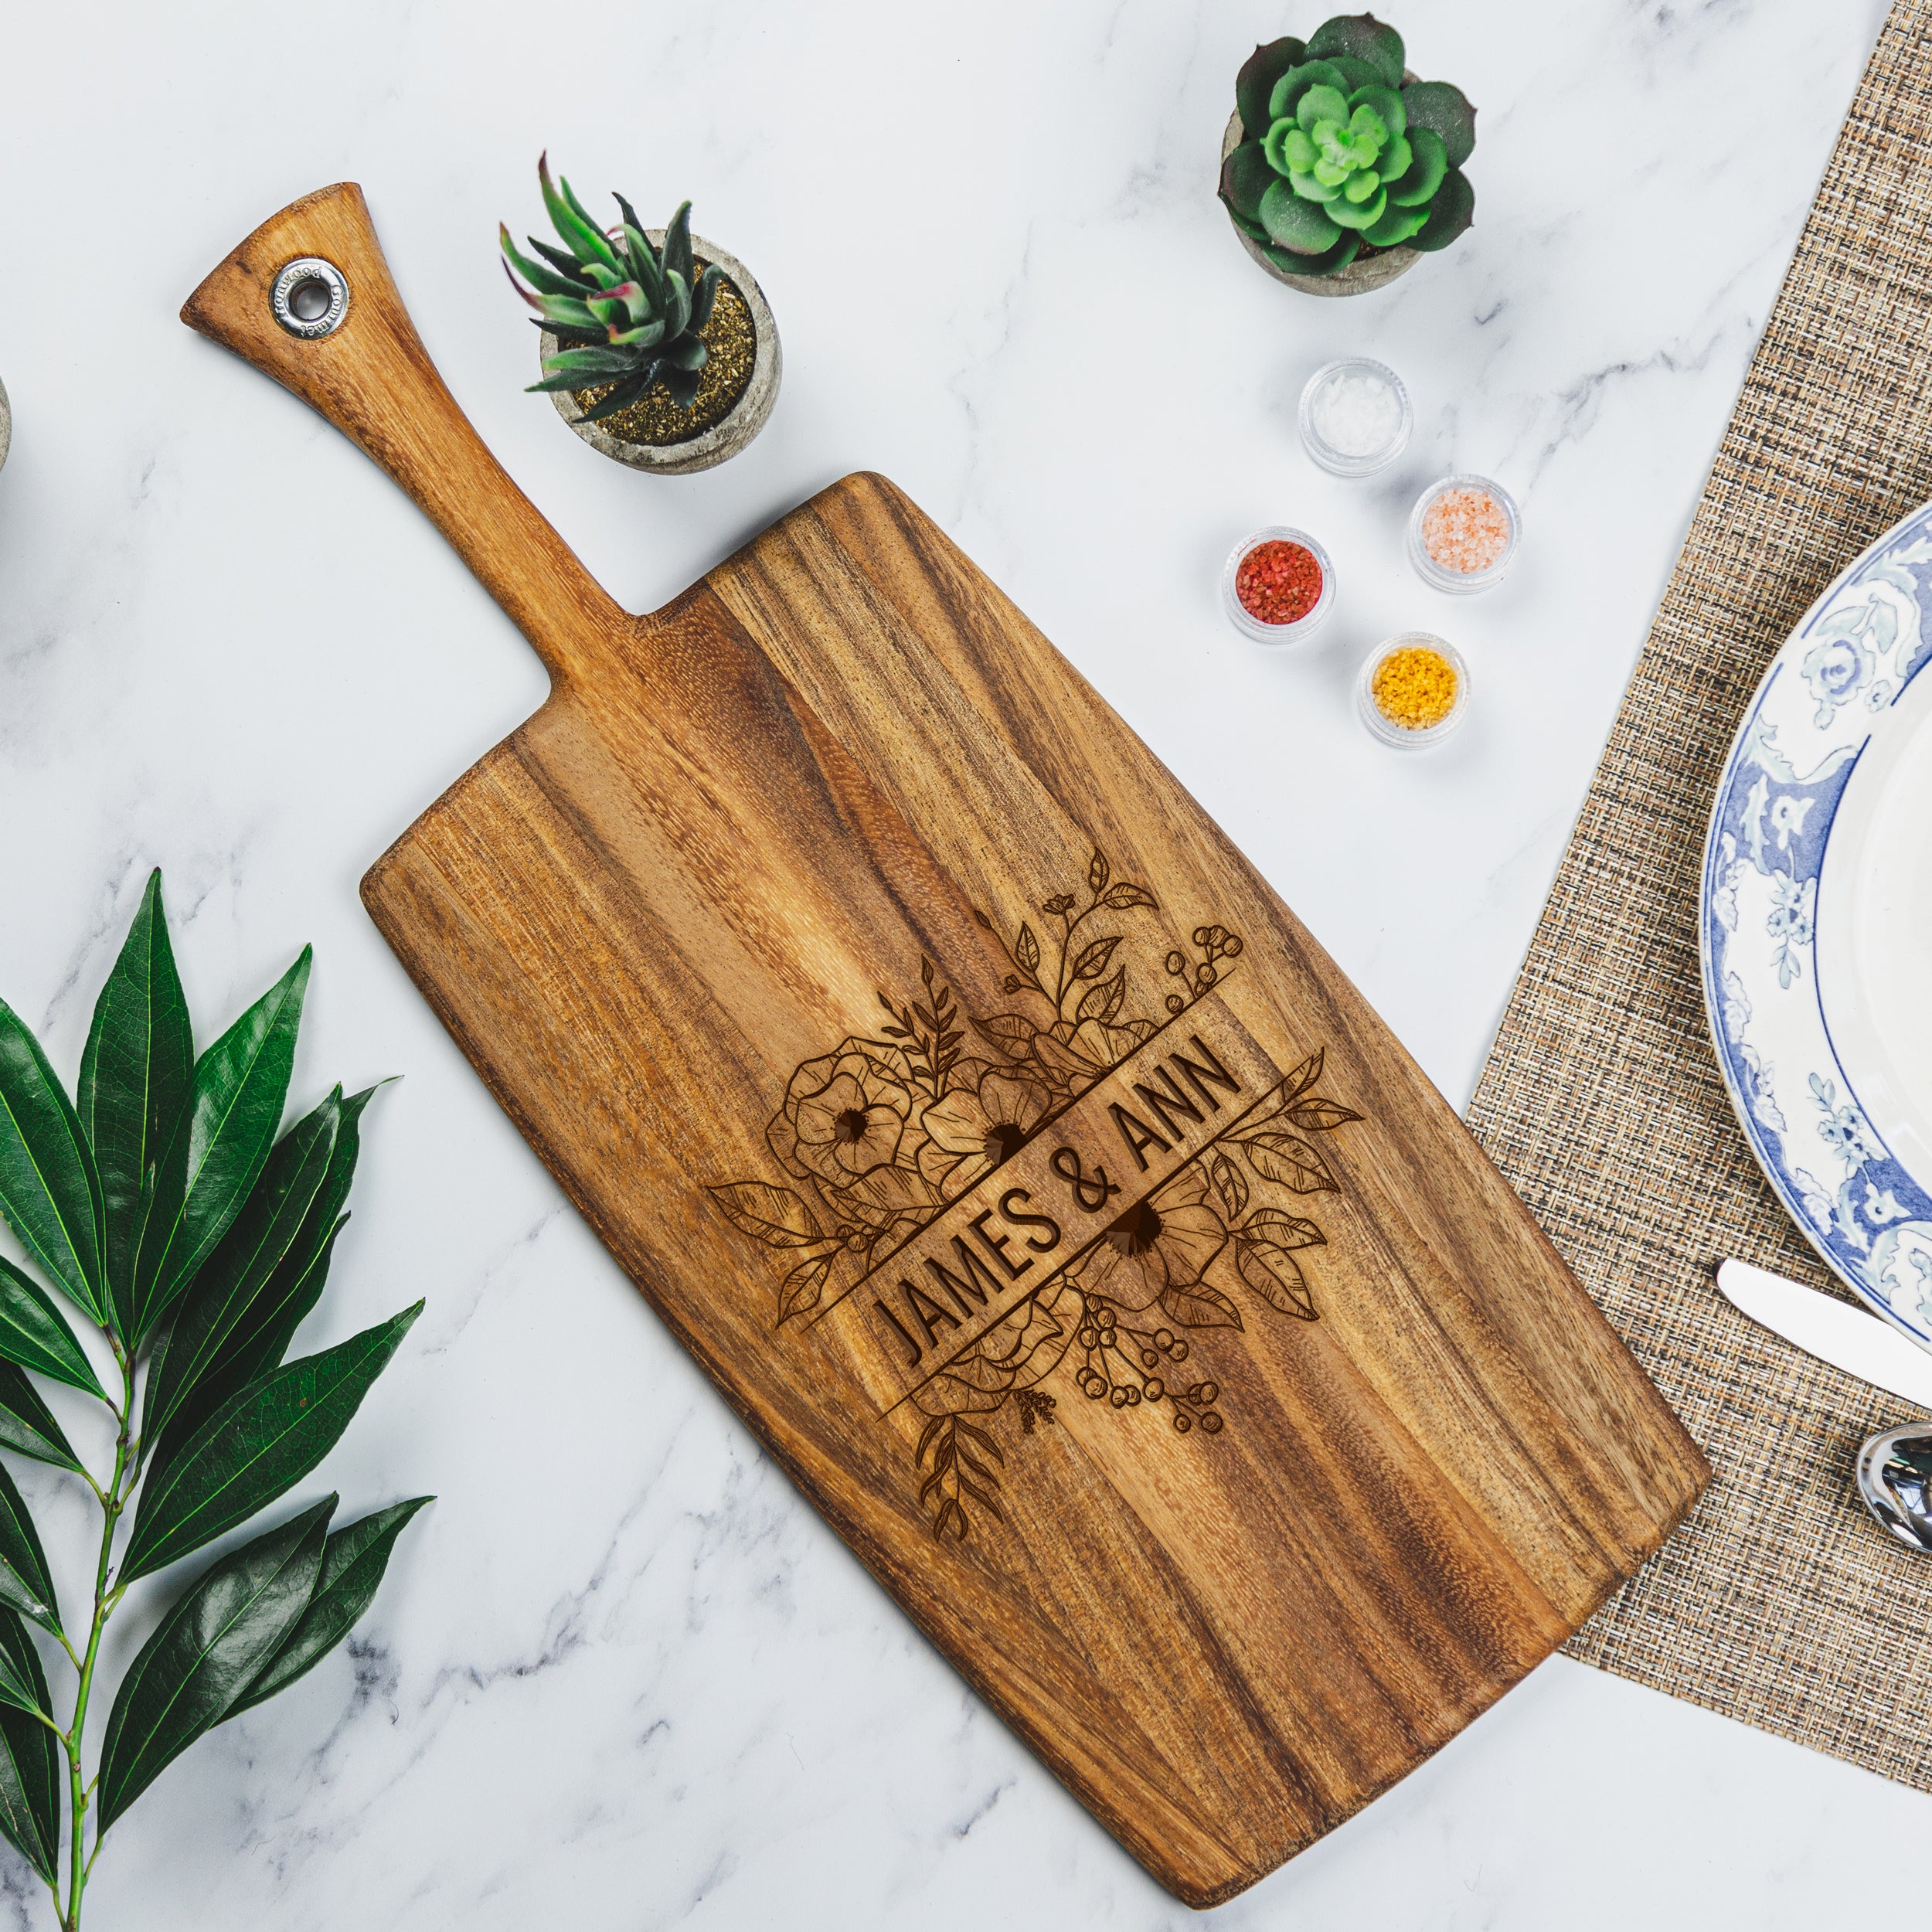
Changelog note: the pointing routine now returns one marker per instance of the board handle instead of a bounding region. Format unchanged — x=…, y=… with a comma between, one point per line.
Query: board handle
x=308, y=299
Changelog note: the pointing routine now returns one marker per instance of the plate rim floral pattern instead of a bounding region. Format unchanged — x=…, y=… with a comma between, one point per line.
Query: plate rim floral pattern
x=1852, y=663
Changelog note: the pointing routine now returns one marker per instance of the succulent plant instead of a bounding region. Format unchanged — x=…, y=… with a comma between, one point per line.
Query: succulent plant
x=623, y=312
x=1338, y=154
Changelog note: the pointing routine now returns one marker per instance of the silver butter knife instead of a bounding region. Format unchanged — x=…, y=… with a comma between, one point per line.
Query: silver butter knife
x=1833, y=1331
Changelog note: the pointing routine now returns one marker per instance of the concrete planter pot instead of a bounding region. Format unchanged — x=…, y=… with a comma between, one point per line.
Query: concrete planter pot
x=724, y=439
x=1375, y=271
x=6, y=425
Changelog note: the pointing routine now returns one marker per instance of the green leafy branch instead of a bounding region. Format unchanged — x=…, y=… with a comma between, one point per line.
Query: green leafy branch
x=161, y=1203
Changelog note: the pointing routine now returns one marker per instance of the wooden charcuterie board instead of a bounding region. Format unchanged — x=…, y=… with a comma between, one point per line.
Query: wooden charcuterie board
x=1022, y=1172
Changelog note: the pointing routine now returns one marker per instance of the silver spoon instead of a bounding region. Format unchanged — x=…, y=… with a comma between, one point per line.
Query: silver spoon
x=1894, y=1478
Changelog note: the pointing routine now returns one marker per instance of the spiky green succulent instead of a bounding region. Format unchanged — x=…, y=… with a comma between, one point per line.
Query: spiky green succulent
x=623, y=312
x=1338, y=153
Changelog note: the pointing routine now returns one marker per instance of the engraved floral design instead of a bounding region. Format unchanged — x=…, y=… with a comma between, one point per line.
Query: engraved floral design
x=974, y=1129
x=1169, y=1240
x=844, y=1115
x=879, y=1135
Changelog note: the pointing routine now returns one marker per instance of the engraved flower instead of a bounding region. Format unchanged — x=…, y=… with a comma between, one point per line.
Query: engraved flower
x=974, y=1129
x=1166, y=1241
x=844, y=1115
x=1017, y=1351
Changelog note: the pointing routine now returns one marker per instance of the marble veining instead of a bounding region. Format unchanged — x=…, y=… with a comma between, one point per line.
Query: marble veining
x=621, y=1675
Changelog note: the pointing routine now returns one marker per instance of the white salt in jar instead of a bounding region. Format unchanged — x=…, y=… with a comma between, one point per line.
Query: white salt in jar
x=1355, y=416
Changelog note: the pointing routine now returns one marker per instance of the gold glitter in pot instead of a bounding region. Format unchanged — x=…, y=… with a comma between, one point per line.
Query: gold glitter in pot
x=731, y=341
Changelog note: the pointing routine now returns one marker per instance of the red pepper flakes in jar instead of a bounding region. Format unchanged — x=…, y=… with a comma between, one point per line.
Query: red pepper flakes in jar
x=1278, y=582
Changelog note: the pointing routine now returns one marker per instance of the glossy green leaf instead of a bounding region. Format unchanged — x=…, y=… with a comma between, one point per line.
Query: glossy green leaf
x=644, y=262
x=1396, y=225
x=1452, y=212
x=623, y=395
x=352, y=1565
x=25, y=1583
x=1419, y=181
x=587, y=367
x=1329, y=262
x=1255, y=82
x=209, y=1648
x=1310, y=188
x=219, y=1147
x=34, y=1334
x=257, y=1445
x=544, y=279
x=1386, y=104
x=1288, y=90
x=1360, y=36
x=135, y=1075
x=1444, y=111
x=27, y=1425
x=49, y=1191
x=16, y=1691
x=1356, y=74
x=1321, y=102
x=1303, y=227
x=1245, y=177
x=31, y=1766
x=1359, y=215
x=580, y=234
x=237, y=1317
x=677, y=247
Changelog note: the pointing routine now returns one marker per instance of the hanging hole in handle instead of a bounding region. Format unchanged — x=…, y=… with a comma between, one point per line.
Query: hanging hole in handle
x=311, y=298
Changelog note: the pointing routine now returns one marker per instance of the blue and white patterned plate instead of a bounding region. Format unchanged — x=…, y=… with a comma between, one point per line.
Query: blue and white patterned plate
x=1815, y=921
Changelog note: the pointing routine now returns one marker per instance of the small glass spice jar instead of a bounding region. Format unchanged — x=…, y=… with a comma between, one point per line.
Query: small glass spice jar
x=1355, y=416
x=1279, y=586
x=1463, y=534
x=1413, y=690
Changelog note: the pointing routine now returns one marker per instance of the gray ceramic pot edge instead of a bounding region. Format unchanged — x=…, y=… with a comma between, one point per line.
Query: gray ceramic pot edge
x=1357, y=279
x=6, y=425
x=722, y=439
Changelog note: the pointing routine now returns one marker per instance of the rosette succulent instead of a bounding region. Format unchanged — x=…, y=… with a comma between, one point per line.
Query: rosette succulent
x=1341, y=152
x=623, y=312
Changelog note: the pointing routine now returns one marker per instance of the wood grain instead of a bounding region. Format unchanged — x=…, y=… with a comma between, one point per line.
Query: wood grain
x=1294, y=1444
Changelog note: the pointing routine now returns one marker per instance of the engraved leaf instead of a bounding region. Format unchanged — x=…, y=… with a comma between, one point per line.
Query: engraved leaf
x=1098, y=873
x=1092, y=959
x=1012, y=1033
x=982, y=919
x=1200, y=1307
x=774, y=1215
x=1304, y=1077
x=961, y=1426
x=1289, y=1159
x=1283, y=1230
x=1228, y=1184
x=1276, y=1277
x=1027, y=949
x=805, y=1284
x=1105, y=1001
x=1123, y=897
x=1319, y=1116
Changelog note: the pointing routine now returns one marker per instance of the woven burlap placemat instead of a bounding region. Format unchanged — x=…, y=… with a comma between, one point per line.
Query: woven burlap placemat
x=1779, y=1602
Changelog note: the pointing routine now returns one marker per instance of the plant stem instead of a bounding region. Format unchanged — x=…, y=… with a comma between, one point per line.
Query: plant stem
x=113, y=1500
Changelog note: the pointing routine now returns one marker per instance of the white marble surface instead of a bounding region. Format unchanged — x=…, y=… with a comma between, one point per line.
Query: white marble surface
x=621, y=1674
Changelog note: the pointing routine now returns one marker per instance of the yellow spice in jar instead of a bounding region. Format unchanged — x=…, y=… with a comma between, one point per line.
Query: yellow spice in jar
x=1415, y=687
